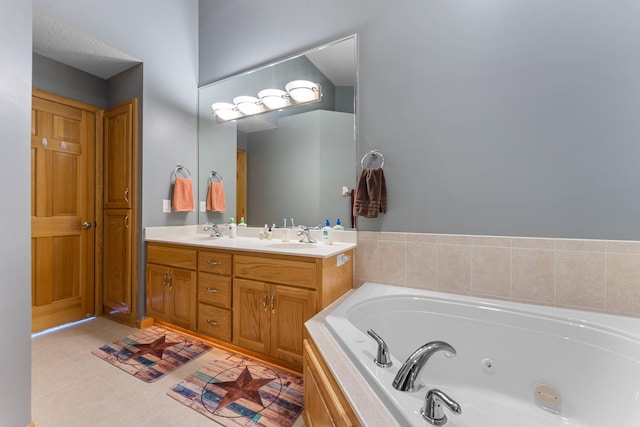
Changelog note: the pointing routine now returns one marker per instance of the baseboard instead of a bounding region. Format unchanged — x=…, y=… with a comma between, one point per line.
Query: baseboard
x=145, y=323
x=32, y=424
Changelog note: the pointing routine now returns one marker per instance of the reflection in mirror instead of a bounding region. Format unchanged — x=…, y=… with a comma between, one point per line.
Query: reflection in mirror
x=293, y=162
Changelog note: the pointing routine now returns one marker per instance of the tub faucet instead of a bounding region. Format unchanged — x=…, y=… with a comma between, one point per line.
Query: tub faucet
x=433, y=412
x=306, y=235
x=383, y=358
x=406, y=377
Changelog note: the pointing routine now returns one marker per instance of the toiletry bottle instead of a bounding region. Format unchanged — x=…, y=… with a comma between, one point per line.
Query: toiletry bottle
x=284, y=234
x=242, y=224
x=233, y=231
x=338, y=226
x=327, y=233
x=270, y=232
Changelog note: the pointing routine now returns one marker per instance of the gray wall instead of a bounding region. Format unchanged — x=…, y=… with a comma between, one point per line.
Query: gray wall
x=56, y=77
x=15, y=203
x=500, y=118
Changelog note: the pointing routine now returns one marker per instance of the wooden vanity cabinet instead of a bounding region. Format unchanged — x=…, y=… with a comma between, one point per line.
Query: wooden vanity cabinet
x=269, y=318
x=215, y=294
x=171, y=284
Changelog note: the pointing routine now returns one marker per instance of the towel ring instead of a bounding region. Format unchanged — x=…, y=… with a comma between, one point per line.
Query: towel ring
x=374, y=154
x=186, y=173
x=213, y=175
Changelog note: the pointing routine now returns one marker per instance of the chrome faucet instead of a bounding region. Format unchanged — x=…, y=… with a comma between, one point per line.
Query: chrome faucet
x=433, y=412
x=406, y=377
x=306, y=235
x=383, y=358
x=214, y=230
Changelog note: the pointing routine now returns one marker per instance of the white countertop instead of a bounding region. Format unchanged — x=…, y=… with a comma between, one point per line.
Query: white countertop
x=248, y=240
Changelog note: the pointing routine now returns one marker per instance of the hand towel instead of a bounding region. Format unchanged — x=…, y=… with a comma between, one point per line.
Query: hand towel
x=215, y=197
x=371, y=194
x=182, y=198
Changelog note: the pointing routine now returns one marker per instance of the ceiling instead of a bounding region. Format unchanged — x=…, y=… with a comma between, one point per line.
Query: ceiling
x=62, y=43
x=58, y=41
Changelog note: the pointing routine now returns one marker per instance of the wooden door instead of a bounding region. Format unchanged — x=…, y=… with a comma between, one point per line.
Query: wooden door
x=62, y=210
x=251, y=315
x=182, y=286
x=241, y=185
x=291, y=308
x=116, y=272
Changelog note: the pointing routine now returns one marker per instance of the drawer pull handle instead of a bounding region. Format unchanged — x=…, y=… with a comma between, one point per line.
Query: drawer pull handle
x=264, y=300
x=214, y=290
x=273, y=298
x=213, y=322
x=213, y=262
x=165, y=279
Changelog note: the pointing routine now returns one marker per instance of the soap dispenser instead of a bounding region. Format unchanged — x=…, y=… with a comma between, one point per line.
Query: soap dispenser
x=338, y=225
x=242, y=223
x=327, y=233
x=233, y=231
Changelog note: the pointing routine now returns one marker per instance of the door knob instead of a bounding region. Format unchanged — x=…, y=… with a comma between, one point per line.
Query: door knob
x=86, y=225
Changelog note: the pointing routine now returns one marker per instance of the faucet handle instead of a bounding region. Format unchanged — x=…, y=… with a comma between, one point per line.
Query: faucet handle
x=433, y=412
x=382, y=359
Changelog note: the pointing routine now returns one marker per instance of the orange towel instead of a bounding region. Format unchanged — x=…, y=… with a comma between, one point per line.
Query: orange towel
x=182, y=198
x=215, y=197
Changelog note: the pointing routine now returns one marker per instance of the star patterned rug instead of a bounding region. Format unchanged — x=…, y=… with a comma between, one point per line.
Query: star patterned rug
x=234, y=390
x=150, y=353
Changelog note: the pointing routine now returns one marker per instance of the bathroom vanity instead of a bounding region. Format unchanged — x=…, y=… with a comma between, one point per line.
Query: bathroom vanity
x=246, y=294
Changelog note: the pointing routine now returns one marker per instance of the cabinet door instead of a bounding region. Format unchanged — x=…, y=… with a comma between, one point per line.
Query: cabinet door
x=251, y=315
x=182, y=289
x=118, y=156
x=157, y=292
x=116, y=274
x=290, y=309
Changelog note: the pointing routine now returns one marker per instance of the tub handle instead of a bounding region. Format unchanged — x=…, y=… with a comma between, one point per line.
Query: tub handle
x=382, y=359
x=433, y=412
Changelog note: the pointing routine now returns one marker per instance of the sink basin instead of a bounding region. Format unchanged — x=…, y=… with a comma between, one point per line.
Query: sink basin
x=292, y=245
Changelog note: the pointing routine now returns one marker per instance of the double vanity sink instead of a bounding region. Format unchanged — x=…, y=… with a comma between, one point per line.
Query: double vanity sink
x=249, y=294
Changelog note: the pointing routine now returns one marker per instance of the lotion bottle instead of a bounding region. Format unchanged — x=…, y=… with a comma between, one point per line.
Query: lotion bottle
x=233, y=231
x=338, y=226
x=327, y=233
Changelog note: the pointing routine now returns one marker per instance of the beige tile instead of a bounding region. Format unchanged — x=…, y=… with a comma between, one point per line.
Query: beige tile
x=623, y=247
x=504, y=242
x=392, y=262
x=580, y=279
x=367, y=260
x=533, y=275
x=392, y=237
x=368, y=235
x=421, y=238
x=533, y=243
x=623, y=283
x=422, y=265
x=581, y=245
x=454, y=268
x=491, y=273
x=454, y=239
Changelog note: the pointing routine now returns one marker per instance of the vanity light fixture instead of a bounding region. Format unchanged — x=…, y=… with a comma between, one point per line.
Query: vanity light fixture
x=298, y=92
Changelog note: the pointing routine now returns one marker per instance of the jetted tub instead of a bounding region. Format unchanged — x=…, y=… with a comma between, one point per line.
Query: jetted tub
x=517, y=365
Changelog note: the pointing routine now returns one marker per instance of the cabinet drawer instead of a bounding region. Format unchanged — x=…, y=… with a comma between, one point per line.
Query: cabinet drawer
x=288, y=272
x=214, y=262
x=214, y=289
x=172, y=256
x=214, y=321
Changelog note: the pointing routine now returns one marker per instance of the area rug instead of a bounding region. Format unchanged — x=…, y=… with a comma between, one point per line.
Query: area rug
x=235, y=390
x=151, y=353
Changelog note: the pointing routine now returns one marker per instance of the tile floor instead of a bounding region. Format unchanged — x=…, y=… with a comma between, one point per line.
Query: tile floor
x=73, y=388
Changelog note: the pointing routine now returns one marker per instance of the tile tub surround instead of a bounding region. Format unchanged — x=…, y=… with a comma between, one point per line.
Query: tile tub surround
x=592, y=275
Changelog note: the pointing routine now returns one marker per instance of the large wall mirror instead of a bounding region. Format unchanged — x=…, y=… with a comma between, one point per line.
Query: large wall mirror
x=298, y=161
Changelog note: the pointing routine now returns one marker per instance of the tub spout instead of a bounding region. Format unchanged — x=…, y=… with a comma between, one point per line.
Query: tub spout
x=433, y=412
x=406, y=377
